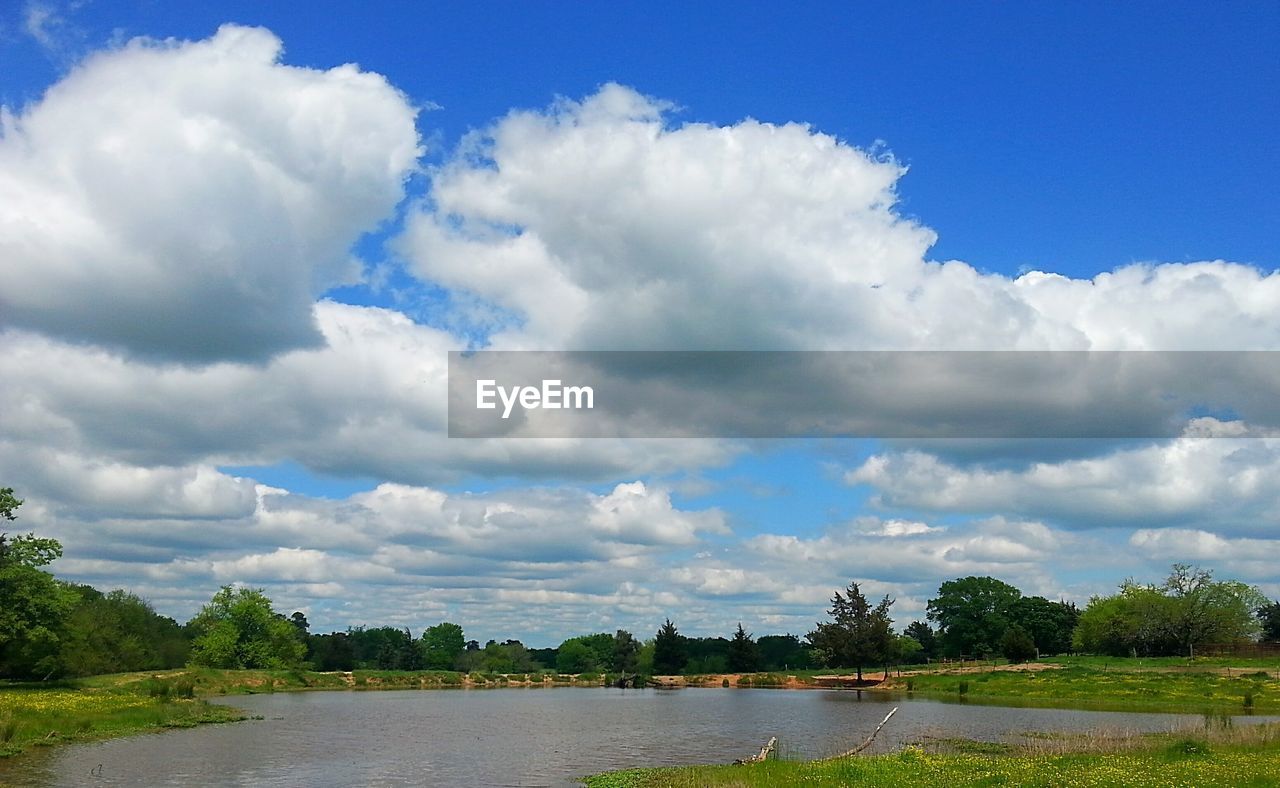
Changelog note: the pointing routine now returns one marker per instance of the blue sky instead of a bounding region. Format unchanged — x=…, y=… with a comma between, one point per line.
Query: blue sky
x=204, y=329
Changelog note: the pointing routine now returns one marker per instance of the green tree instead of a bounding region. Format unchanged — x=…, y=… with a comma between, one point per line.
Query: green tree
x=442, y=644
x=923, y=634
x=118, y=632
x=743, y=656
x=1204, y=611
x=238, y=629
x=669, y=654
x=575, y=656
x=1269, y=619
x=857, y=634
x=1050, y=624
x=972, y=614
x=1017, y=645
x=907, y=650
x=35, y=605
x=626, y=652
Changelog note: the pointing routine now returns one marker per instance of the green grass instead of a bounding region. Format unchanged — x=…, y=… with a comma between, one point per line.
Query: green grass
x=41, y=715
x=1223, y=755
x=1114, y=688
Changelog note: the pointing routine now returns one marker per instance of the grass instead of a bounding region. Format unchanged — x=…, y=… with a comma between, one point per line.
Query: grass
x=41, y=715
x=1118, y=687
x=1245, y=756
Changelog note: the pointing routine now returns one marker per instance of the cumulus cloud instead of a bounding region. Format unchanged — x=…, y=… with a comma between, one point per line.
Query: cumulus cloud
x=601, y=223
x=1224, y=481
x=188, y=200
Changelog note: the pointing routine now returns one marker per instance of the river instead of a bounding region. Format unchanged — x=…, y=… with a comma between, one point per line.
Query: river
x=524, y=737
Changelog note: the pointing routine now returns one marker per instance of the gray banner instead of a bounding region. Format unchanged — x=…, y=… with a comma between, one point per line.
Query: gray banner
x=882, y=394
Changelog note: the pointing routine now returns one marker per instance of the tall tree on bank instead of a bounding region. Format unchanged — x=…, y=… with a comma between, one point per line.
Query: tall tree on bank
x=442, y=645
x=33, y=605
x=972, y=614
x=857, y=634
x=669, y=655
x=626, y=652
x=238, y=629
x=743, y=657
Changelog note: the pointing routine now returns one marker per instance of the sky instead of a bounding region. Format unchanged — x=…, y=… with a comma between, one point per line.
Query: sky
x=239, y=239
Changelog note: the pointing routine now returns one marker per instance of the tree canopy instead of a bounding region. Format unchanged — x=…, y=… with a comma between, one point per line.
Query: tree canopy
x=857, y=634
x=238, y=629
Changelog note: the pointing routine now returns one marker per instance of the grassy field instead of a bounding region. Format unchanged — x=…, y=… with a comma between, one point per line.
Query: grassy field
x=1235, y=757
x=43, y=715
x=1115, y=686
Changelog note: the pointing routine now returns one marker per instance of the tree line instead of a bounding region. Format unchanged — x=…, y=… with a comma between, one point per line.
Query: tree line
x=52, y=628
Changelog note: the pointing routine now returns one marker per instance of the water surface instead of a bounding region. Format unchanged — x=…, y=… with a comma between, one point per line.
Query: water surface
x=525, y=737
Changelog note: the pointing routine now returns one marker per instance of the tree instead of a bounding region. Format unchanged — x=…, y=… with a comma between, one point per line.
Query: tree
x=857, y=635
x=35, y=605
x=442, y=644
x=1188, y=610
x=783, y=652
x=907, y=649
x=972, y=614
x=923, y=634
x=238, y=629
x=1050, y=624
x=743, y=657
x=1017, y=644
x=1269, y=618
x=574, y=656
x=669, y=654
x=118, y=632
x=626, y=652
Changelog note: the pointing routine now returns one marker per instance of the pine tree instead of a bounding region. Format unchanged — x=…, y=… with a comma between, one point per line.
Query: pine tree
x=669, y=656
x=743, y=657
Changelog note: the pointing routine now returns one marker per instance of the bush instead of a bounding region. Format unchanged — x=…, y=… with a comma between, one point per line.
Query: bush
x=1017, y=644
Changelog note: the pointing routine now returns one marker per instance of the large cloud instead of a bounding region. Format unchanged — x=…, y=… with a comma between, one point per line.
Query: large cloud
x=600, y=224
x=188, y=200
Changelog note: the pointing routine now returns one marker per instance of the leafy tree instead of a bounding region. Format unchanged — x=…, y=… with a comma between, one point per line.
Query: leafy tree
x=626, y=652
x=923, y=634
x=1017, y=645
x=907, y=649
x=575, y=656
x=1050, y=624
x=508, y=657
x=238, y=629
x=972, y=614
x=1189, y=609
x=669, y=653
x=783, y=652
x=442, y=644
x=334, y=651
x=1269, y=618
x=857, y=635
x=35, y=605
x=118, y=632
x=743, y=657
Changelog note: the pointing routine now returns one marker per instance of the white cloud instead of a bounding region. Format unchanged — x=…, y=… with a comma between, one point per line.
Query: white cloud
x=1224, y=481
x=188, y=200
x=601, y=224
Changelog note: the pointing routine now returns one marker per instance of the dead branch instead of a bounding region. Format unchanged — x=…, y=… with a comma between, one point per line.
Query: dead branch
x=866, y=743
x=764, y=752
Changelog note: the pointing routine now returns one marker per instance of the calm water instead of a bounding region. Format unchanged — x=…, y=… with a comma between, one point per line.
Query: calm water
x=526, y=737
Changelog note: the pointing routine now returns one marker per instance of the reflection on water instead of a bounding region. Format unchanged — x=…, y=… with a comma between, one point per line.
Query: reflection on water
x=524, y=737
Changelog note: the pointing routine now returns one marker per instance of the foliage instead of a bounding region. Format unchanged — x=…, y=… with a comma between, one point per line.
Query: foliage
x=238, y=629
x=743, y=657
x=118, y=632
x=1017, y=645
x=1049, y=624
x=857, y=635
x=32, y=618
x=1269, y=619
x=1189, y=609
x=669, y=653
x=626, y=652
x=972, y=614
x=575, y=656
x=442, y=644
x=923, y=634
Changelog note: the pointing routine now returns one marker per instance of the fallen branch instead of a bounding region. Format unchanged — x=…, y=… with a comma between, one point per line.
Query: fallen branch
x=764, y=752
x=866, y=743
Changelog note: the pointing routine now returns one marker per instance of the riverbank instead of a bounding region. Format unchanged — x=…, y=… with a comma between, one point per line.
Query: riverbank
x=32, y=716
x=1226, y=756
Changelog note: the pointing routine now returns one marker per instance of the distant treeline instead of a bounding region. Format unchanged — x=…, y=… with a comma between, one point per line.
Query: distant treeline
x=51, y=628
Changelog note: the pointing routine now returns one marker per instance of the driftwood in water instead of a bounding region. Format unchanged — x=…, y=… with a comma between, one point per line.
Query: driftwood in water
x=870, y=738
x=769, y=747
